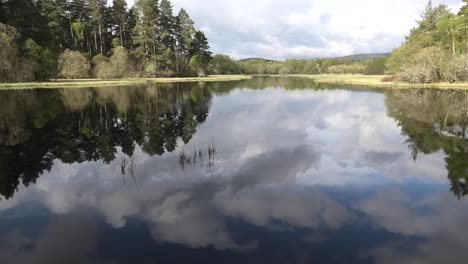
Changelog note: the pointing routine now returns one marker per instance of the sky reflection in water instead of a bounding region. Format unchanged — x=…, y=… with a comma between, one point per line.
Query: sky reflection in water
x=253, y=171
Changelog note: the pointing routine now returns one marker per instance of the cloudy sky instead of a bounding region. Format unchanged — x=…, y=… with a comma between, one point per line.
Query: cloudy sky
x=280, y=29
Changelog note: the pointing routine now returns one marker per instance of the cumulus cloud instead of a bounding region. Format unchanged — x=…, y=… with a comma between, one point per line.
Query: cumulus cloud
x=282, y=29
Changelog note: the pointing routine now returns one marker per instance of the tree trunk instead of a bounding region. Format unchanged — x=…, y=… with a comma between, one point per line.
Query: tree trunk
x=100, y=37
x=71, y=32
x=95, y=41
x=121, y=34
x=453, y=43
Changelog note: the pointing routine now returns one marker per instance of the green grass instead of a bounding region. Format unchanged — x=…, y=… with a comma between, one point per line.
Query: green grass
x=371, y=81
x=118, y=82
x=352, y=79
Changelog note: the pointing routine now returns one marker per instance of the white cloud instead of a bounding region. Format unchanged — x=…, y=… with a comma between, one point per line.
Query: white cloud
x=304, y=28
x=280, y=29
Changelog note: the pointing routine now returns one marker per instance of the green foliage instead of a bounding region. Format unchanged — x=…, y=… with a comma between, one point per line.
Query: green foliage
x=464, y=28
x=441, y=32
x=376, y=66
x=118, y=66
x=161, y=44
x=448, y=32
x=402, y=55
x=223, y=64
x=167, y=24
x=185, y=30
x=119, y=13
x=73, y=65
x=301, y=66
x=8, y=53
x=99, y=59
x=456, y=69
x=426, y=66
x=43, y=60
x=295, y=66
x=260, y=66
x=146, y=31
x=195, y=66
x=356, y=68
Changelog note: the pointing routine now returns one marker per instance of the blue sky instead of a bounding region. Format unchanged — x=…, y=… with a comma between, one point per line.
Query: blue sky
x=280, y=29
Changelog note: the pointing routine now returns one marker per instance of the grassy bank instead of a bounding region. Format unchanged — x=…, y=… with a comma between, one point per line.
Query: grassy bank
x=119, y=82
x=371, y=81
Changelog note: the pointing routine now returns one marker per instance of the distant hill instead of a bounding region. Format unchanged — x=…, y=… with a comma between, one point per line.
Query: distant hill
x=257, y=60
x=355, y=57
x=361, y=57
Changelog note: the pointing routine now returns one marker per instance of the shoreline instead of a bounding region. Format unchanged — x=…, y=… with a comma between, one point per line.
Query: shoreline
x=84, y=83
x=373, y=81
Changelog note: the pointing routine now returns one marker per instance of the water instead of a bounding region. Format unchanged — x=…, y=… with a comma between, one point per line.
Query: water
x=267, y=170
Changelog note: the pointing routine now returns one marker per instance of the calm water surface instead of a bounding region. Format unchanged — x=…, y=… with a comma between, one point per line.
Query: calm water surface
x=260, y=171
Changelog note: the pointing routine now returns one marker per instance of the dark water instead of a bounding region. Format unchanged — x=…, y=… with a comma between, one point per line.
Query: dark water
x=259, y=171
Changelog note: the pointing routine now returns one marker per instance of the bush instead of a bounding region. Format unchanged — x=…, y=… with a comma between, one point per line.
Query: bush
x=8, y=53
x=376, y=66
x=43, y=60
x=118, y=66
x=389, y=78
x=425, y=66
x=73, y=65
x=346, y=69
x=98, y=59
x=456, y=70
x=197, y=67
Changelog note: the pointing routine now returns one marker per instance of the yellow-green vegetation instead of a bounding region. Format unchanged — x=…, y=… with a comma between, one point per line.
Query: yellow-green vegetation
x=120, y=82
x=371, y=81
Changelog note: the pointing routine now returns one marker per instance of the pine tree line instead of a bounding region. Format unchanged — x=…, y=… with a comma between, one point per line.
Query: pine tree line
x=148, y=36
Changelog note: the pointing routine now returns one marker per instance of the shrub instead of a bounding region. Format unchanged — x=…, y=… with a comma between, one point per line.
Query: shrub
x=98, y=59
x=376, y=66
x=8, y=53
x=118, y=66
x=120, y=62
x=389, y=78
x=197, y=67
x=456, y=70
x=346, y=69
x=73, y=65
x=425, y=66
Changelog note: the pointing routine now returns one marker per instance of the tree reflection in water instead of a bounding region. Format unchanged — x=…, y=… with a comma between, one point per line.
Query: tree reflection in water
x=435, y=120
x=78, y=125
x=38, y=127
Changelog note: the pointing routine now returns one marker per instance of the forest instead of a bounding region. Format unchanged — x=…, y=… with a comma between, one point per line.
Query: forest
x=75, y=39
x=78, y=39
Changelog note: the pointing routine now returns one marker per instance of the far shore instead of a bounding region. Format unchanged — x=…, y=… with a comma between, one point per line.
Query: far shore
x=370, y=81
x=373, y=81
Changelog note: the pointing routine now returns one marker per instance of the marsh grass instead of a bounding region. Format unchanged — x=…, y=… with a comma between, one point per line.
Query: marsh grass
x=371, y=81
x=81, y=83
x=205, y=157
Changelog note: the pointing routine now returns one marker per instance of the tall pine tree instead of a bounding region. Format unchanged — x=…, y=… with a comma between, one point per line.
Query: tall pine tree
x=120, y=15
x=146, y=32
